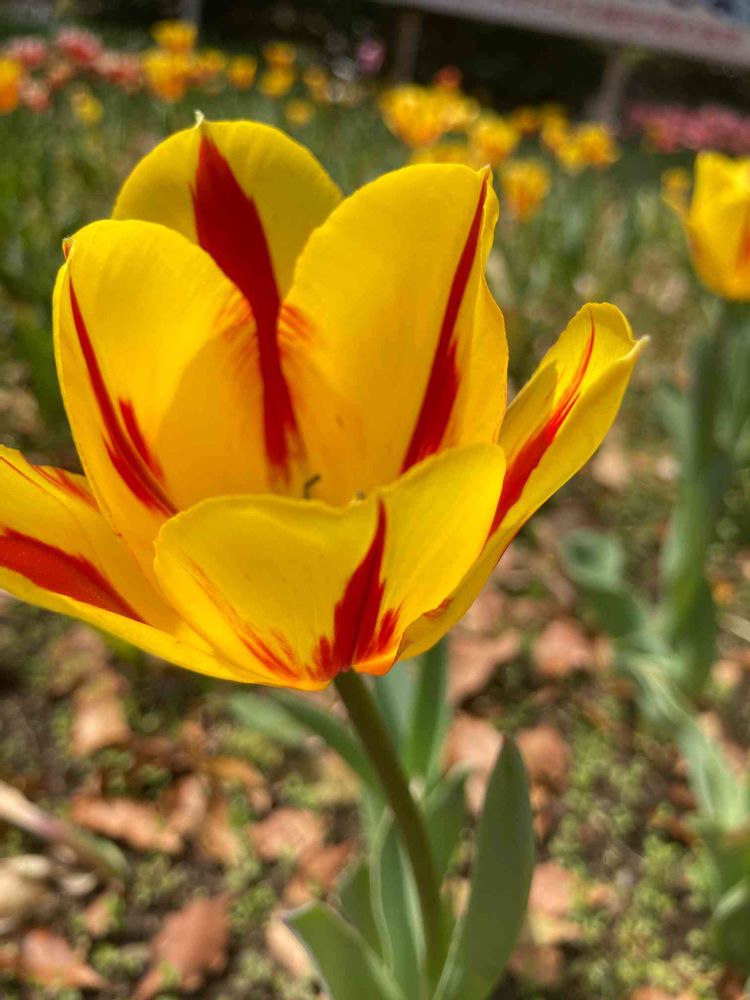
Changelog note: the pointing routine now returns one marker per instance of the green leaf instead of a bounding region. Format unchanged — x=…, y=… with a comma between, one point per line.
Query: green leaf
x=430, y=715
x=396, y=910
x=445, y=816
x=722, y=797
x=332, y=731
x=593, y=559
x=350, y=969
x=504, y=861
x=264, y=715
x=394, y=693
x=355, y=894
x=671, y=411
x=730, y=926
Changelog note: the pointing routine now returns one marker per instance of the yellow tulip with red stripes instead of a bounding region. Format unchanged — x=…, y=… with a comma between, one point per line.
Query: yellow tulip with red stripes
x=291, y=413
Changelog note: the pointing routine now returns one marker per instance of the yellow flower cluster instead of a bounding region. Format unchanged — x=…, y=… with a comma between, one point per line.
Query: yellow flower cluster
x=174, y=65
x=421, y=116
x=589, y=145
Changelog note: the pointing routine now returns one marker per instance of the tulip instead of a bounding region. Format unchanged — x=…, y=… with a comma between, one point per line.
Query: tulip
x=280, y=55
x=175, y=36
x=717, y=223
x=82, y=47
x=86, y=107
x=276, y=82
x=241, y=72
x=299, y=112
x=525, y=185
x=11, y=79
x=291, y=413
x=167, y=73
x=493, y=139
x=29, y=50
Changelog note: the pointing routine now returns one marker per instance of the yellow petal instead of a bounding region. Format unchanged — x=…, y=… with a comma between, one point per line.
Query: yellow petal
x=551, y=429
x=250, y=196
x=718, y=224
x=158, y=364
x=299, y=590
x=59, y=553
x=392, y=344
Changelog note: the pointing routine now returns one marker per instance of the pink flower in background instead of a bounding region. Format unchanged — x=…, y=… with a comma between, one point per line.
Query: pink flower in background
x=81, y=47
x=35, y=95
x=123, y=69
x=673, y=127
x=28, y=50
x=370, y=56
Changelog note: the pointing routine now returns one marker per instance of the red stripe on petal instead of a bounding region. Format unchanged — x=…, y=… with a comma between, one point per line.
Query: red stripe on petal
x=123, y=454
x=64, y=481
x=229, y=228
x=136, y=436
x=361, y=631
x=443, y=384
x=53, y=569
x=58, y=478
x=532, y=451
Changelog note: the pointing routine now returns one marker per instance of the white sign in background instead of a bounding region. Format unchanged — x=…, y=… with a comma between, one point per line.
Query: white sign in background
x=713, y=30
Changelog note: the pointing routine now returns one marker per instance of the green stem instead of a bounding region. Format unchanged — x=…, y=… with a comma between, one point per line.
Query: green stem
x=377, y=742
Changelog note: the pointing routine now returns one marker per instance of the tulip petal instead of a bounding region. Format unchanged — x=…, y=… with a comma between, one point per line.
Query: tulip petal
x=59, y=553
x=391, y=342
x=718, y=224
x=299, y=590
x=158, y=363
x=250, y=196
x=551, y=429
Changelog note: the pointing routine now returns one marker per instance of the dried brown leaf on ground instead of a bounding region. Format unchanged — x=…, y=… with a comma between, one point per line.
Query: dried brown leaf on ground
x=139, y=824
x=191, y=945
x=475, y=659
x=233, y=771
x=546, y=755
x=551, y=901
x=542, y=965
x=730, y=986
x=46, y=958
x=337, y=784
x=612, y=465
x=24, y=889
x=476, y=744
x=217, y=838
x=317, y=872
x=286, y=949
x=651, y=993
x=561, y=648
x=185, y=803
x=77, y=654
x=287, y=832
x=487, y=611
x=100, y=916
x=99, y=716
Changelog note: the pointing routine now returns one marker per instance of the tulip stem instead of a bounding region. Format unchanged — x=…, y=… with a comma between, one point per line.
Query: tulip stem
x=376, y=740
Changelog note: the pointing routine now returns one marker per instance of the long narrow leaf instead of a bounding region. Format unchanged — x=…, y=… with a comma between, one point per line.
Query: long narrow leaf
x=430, y=715
x=445, y=816
x=349, y=967
x=500, y=884
x=355, y=894
x=333, y=731
x=396, y=910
